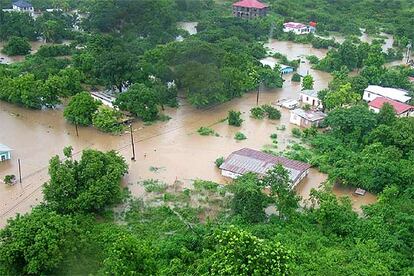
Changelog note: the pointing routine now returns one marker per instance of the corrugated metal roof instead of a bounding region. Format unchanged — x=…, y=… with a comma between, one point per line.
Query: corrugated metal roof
x=249, y=160
x=312, y=93
x=4, y=148
x=309, y=115
x=389, y=92
x=399, y=108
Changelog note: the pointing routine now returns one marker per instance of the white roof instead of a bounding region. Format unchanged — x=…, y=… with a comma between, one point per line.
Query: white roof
x=4, y=148
x=312, y=93
x=309, y=115
x=388, y=92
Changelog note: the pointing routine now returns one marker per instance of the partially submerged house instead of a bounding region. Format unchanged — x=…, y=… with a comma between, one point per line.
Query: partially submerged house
x=248, y=160
x=285, y=69
x=299, y=28
x=310, y=97
x=5, y=153
x=272, y=63
x=374, y=91
x=249, y=9
x=306, y=118
x=401, y=109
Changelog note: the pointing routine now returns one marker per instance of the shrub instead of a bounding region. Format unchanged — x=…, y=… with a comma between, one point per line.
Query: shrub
x=257, y=112
x=153, y=185
x=9, y=179
x=107, y=120
x=296, y=77
x=306, y=107
x=273, y=136
x=205, y=131
x=240, y=136
x=312, y=59
x=296, y=132
x=205, y=185
x=234, y=118
x=54, y=50
x=17, y=46
x=272, y=113
x=219, y=161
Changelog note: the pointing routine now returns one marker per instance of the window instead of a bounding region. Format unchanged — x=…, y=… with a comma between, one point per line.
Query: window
x=369, y=95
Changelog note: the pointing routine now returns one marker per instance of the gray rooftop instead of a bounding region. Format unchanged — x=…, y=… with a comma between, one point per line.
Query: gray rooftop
x=22, y=4
x=249, y=160
x=309, y=115
x=311, y=93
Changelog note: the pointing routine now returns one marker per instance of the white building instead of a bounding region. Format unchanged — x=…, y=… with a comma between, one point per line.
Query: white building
x=310, y=97
x=5, y=153
x=298, y=28
x=374, y=91
x=305, y=118
x=23, y=6
x=248, y=160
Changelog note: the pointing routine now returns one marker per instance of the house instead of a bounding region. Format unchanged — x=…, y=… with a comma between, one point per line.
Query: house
x=5, y=153
x=374, y=91
x=310, y=97
x=248, y=160
x=23, y=6
x=249, y=9
x=306, y=118
x=285, y=69
x=287, y=103
x=299, y=28
x=401, y=109
x=104, y=98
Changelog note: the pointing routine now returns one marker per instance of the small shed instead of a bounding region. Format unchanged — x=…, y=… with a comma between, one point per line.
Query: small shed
x=306, y=118
x=310, y=97
x=5, y=153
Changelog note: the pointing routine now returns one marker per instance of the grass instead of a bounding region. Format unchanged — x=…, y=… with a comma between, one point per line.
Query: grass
x=206, y=131
x=154, y=186
x=205, y=185
x=240, y=136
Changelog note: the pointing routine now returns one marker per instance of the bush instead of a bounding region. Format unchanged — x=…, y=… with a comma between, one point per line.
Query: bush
x=200, y=185
x=54, y=50
x=296, y=77
x=306, y=107
x=296, y=132
x=313, y=59
x=273, y=136
x=240, y=136
x=9, y=179
x=219, y=161
x=234, y=118
x=257, y=112
x=205, y=131
x=153, y=185
x=17, y=46
x=272, y=113
x=107, y=120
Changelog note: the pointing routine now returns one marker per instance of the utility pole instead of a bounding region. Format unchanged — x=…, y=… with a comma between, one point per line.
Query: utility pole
x=20, y=171
x=257, y=96
x=132, y=143
x=77, y=132
x=409, y=46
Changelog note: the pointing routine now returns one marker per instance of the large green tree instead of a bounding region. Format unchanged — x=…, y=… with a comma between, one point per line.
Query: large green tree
x=81, y=108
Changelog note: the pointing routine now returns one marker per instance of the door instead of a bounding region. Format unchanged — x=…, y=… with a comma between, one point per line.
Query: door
x=3, y=157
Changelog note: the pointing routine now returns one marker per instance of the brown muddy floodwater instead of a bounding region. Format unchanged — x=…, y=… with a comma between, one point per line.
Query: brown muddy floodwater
x=174, y=147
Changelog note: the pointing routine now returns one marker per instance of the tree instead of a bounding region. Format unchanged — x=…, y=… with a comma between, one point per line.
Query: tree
x=278, y=180
x=387, y=115
x=81, y=109
x=307, y=82
x=36, y=243
x=249, y=200
x=342, y=97
x=140, y=100
x=90, y=185
x=234, y=118
x=240, y=253
x=17, y=46
x=107, y=120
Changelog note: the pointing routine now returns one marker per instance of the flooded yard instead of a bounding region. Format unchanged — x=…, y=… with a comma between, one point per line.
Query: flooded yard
x=167, y=151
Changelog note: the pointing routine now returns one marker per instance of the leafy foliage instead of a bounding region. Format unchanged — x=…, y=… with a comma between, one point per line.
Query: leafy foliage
x=16, y=46
x=234, y=118
x=81, y=109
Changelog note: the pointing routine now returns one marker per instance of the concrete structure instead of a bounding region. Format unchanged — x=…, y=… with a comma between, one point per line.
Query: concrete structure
x=374, y=91
x=249, y=9
x=23, y=6
x=299, y=28
x=288, y=103
x=285, y=69
x=249, y=160
x=5, y=153
x=104, y=98
x=306, y=119
x=310, y=97
x=401, y=109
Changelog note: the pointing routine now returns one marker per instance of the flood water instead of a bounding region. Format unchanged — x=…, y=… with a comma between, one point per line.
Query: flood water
x=174, y=148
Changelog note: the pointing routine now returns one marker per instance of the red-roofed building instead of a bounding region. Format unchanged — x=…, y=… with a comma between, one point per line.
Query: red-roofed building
x=249, y=9
x=401, y=109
